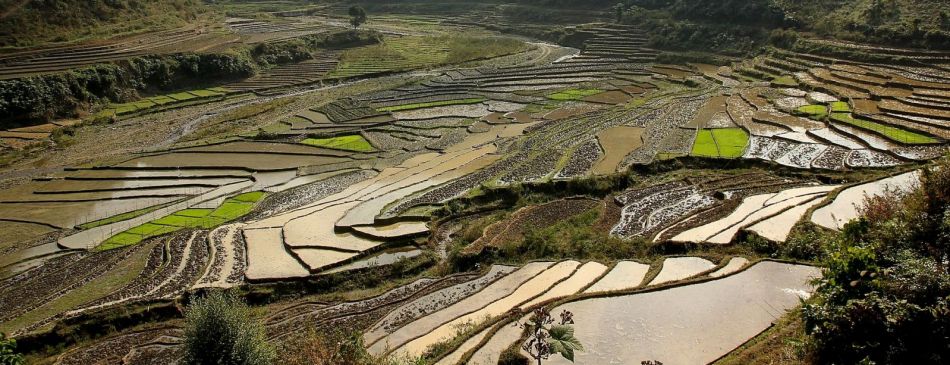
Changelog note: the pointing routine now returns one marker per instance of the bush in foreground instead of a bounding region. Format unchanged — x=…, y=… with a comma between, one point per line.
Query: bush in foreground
x=219, y=330
x=885, y=294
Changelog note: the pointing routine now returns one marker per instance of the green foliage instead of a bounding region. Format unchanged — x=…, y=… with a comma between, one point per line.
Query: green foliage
x=38, y=98
x=885, y=293
x=562, y=341
x=219, y=329
x=354, y=143
x=571, y=238
x=357, y=16
x=8, y=354
x=430, y=104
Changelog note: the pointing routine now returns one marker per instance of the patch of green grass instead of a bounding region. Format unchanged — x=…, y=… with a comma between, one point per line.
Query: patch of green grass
x=816, y=112
x=194, y=212
x=161, y=99
x=143, y=104
x=124, y=108
x=785, y=81
x=251, y=197
x=177, y=221
x=731, y=141
x=720, y=143
x=397, y=108
x=121, y=240
x=354, y=143
x=574, y=94
x=221, y=90
x=840, y=107
x=705, y=145
x=182, y=96
x=231, y=209
x=893, y=133
x=207, y=93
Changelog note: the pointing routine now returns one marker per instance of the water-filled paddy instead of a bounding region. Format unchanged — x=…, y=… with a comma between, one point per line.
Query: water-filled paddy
x=693, y=324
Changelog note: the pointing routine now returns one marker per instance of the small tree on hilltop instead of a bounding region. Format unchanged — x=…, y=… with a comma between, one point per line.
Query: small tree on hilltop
x=547, y=339
x=357, y=16
x=8, y=354
x=219, y=330
x=618, y=10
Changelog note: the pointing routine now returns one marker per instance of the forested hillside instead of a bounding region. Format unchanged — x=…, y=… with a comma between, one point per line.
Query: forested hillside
x=26, y=23
x=739, y=26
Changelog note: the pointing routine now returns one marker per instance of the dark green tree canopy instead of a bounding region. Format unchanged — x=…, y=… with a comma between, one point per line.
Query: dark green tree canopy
x=357, y=16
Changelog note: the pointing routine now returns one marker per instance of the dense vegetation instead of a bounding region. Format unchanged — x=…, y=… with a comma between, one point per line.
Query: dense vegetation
x=30, y=23
x=885, y=295
x=34, y=99
x=739, y=27
x=219, y=330
x=37, y=98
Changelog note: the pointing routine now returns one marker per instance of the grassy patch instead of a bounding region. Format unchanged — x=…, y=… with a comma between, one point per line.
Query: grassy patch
x=840, y=107
x=574, y=94
x=354, y=143
x=205, y=93
x=894, y=133
x=731, y=141
x=705, y=145
x=396, y=108
x=720, y=143
x=816, y=112
x=785, y=81
x=182, y=96
x=229, y=210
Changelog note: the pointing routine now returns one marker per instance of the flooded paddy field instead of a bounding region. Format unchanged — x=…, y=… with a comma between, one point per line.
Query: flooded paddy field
x=588, y=178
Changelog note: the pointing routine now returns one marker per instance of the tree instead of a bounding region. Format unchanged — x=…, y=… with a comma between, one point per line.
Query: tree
x=357, y=16
x=618, y=9
x=219, y=330
x=8, y=354
x=547, y=339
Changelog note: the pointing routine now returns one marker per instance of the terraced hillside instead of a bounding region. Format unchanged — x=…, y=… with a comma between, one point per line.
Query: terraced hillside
x=423, y=199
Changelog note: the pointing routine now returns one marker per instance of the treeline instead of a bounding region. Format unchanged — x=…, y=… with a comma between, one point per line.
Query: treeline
x=33, y=99
x=37, y=99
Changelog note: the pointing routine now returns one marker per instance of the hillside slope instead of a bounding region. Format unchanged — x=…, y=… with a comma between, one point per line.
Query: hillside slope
x=739, y=26
x=26, y=23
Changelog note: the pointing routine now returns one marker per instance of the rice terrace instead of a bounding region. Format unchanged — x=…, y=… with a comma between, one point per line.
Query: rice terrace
x=474, y=182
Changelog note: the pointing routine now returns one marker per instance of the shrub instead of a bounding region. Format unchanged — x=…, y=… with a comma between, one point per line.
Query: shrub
x=8, y=354
x=219, y=330
x=885, y=294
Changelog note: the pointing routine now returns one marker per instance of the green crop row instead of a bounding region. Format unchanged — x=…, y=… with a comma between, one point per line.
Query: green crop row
x=354, y=143
x=720, y=143
x=894, y=133
x=231, y=209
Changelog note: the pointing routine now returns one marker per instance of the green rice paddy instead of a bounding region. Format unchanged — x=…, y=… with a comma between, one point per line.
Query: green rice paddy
x=355, y=143
x=817, y=112
x=720, y=143
x=130, y=107
x=840, y=107
x=413, y=106
x=893, y=133
x=231, y=209
x=574, y=94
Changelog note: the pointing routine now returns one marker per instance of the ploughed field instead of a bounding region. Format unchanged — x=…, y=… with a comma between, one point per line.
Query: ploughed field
x=354, y=183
